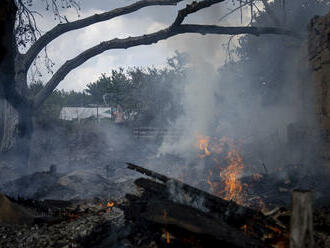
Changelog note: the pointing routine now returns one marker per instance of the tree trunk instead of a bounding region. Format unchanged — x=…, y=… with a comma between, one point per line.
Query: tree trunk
x=2, y=102
x=24, y=137
x=18, y=129
x=17, y=126
x=8, y=52
x=10, y=121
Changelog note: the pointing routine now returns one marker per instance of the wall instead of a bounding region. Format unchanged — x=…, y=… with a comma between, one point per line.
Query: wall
x=319, y=57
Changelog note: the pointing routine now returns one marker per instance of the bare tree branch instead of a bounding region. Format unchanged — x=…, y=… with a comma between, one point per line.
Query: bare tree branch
x=271, y=13
x=235, y=9
x=146, y=40
x=192, y=8
x=60, y=29
x=173, y=30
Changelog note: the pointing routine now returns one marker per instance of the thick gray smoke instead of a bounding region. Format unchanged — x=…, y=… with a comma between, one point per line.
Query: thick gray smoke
x=236, y=104
x=199, y=101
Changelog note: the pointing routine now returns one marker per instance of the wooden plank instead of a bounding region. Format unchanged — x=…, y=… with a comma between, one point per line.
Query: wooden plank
x=172, y=214
x=228, y=210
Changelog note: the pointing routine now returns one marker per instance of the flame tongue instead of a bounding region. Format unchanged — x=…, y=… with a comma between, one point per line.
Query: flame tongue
x=203, y=143
x=231, y=177
x=225, y=173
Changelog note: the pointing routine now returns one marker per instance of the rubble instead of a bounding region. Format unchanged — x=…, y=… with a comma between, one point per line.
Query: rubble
x=153, y=217
x=76, y=233
x=80, y=184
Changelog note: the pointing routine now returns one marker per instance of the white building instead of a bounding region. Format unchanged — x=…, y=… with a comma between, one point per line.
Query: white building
x=71, y=113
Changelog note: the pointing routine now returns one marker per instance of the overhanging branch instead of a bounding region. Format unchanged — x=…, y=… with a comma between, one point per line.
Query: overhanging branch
x=146, y=40
x=192, y=8
x=60, y=29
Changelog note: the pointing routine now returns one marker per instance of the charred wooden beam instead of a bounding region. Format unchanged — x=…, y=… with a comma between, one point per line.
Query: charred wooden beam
x=147, y=172
x=187, y=218
x=170, y=194
x=229, y=211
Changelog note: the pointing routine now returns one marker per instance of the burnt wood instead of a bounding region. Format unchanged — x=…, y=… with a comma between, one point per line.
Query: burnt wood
x=173, y=214
x=199, y=212
x=229, y=211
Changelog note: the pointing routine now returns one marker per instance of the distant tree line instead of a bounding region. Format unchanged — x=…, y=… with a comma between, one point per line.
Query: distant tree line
x=148, y=94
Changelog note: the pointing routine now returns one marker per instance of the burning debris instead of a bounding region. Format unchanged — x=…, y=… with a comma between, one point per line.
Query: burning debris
x=232, y=218
x=164, y=212
x=225, y=166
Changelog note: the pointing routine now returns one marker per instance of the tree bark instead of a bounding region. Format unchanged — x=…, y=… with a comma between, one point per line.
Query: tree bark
x=2, y=102
x=17, y=115
x=7, y=69
x=17, y=134
x=24, y=137
x=10, y=120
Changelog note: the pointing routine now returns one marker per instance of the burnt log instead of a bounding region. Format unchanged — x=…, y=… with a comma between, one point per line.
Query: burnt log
x=198, y=211
x=172, y=214
x=147, y=172
x=228, y=211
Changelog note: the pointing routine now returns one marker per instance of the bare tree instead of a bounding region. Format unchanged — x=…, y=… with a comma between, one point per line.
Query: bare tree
x=14, y=65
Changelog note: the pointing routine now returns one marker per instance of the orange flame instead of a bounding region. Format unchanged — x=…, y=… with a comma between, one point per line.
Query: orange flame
x=203, y=143
x=244, y=228
x=229, y=175
x=168, y=240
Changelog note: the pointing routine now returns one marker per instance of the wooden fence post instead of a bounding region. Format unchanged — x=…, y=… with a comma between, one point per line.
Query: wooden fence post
x=301, y=224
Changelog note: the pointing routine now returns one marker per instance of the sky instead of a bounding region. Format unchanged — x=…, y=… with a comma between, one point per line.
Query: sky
x=146, y=20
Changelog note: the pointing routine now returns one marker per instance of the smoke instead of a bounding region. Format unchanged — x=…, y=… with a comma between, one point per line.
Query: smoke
x=179, y=195
x=266, y=112
x=218, y=100
x=199, y=93
x=199, y=107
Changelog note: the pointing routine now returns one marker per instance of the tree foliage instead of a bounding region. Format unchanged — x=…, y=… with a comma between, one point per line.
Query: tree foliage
x=150, y=94
x=263, y=63
x=146, y=94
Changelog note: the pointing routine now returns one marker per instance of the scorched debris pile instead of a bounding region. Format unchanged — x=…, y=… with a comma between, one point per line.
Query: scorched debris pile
x=164, y=212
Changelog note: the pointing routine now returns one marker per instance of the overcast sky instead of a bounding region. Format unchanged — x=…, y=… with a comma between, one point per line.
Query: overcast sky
x=150, y=19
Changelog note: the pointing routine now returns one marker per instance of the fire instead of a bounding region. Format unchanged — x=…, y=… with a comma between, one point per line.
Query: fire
x=227, y=168
x=165, y=214
x=244, y=228
x=166, y=236
x=168, y=240
x=109, y=206
x=203, y=144
x=231, y=177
